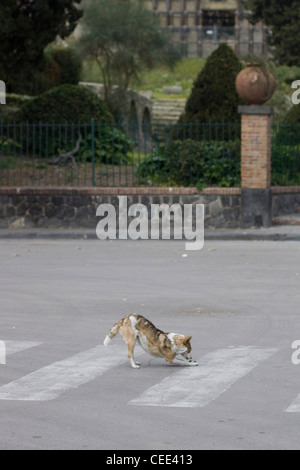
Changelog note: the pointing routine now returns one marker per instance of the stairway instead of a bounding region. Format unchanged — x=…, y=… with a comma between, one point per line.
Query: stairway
x=168, y=111
x=164, y=114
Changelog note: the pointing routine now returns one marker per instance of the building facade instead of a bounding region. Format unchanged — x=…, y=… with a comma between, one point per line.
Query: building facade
x=200, y=25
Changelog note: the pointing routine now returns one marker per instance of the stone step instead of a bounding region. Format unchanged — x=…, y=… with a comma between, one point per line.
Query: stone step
x=162, y=108
x=168, y=103
x=168, y=110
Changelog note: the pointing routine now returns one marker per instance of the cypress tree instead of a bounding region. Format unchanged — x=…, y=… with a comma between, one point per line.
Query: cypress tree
x=214, y=97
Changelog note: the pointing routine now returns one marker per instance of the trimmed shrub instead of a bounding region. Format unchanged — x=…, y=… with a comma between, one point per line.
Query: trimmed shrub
x=13, y=105
x=214, y=97
x=66, y=103
x=64, y=113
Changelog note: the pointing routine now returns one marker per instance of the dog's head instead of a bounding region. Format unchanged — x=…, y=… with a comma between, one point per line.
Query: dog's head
x=183, y=344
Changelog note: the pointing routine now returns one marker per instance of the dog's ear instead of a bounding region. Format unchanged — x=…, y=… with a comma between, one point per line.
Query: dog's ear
x=187, y=339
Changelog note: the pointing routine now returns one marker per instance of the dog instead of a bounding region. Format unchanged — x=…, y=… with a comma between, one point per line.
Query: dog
x=170, y=346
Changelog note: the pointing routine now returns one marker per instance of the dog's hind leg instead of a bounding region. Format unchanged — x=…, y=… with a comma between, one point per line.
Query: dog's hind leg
x=130, y=339
x=129, y=335
x=134, y=364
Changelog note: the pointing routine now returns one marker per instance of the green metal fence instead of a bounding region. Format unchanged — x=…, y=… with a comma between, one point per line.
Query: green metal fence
x=97, y=154
x=285, y=154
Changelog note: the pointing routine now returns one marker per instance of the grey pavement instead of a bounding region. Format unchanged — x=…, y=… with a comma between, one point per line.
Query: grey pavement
x=282, y=232
x=238, y=298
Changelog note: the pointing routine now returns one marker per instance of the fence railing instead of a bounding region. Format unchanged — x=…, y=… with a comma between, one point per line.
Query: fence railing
x=286, y=154
x=99, y=154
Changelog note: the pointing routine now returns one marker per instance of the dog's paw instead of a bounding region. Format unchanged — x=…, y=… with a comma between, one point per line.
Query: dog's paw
x=135, y=366
x=185, y=362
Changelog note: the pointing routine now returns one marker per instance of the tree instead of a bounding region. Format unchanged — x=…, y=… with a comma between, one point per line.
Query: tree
x=214, y=97
x=27, y=27
x=283, y=18
x=124, y=38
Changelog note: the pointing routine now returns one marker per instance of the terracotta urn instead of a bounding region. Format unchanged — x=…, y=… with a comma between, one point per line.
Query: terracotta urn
x=255, y=85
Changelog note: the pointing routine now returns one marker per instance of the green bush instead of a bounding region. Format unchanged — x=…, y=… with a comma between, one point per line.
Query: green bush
x=63, y=113
x=13, y=105
x=289, y=131
x=285, y=165
x=214, y=97
x=210, y=131
x=293, y=115
x=286, y=133
x=107, y=143
x=111, y=146
x=193, y=163
x=66, y=103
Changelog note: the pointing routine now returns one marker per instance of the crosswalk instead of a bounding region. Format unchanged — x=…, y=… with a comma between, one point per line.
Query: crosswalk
x=197, y=387
x=184, y=387
x=52, y=381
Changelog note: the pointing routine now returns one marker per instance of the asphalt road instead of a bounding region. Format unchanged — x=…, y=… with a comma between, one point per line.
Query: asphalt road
x=61, y=389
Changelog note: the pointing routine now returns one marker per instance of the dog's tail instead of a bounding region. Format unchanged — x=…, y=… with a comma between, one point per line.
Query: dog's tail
x=113, y=332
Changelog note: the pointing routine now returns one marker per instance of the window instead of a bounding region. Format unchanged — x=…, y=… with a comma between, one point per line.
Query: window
x=223, y=19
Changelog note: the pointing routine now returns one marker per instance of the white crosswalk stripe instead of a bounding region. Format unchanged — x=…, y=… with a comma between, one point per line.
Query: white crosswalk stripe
x=198, y=386
x=295, y=406
x=51, y=381
x=12, y=347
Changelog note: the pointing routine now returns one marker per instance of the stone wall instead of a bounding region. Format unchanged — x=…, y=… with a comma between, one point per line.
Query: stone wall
x=76, y=208
x=285, y=201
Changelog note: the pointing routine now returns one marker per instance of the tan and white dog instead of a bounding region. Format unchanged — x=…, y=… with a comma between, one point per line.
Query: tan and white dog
x=171, y=346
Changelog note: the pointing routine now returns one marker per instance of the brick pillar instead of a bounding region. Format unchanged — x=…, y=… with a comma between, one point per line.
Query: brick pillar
x=256, y=166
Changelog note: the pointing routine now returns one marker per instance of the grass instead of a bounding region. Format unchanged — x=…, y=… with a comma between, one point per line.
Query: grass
x=183, y=74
